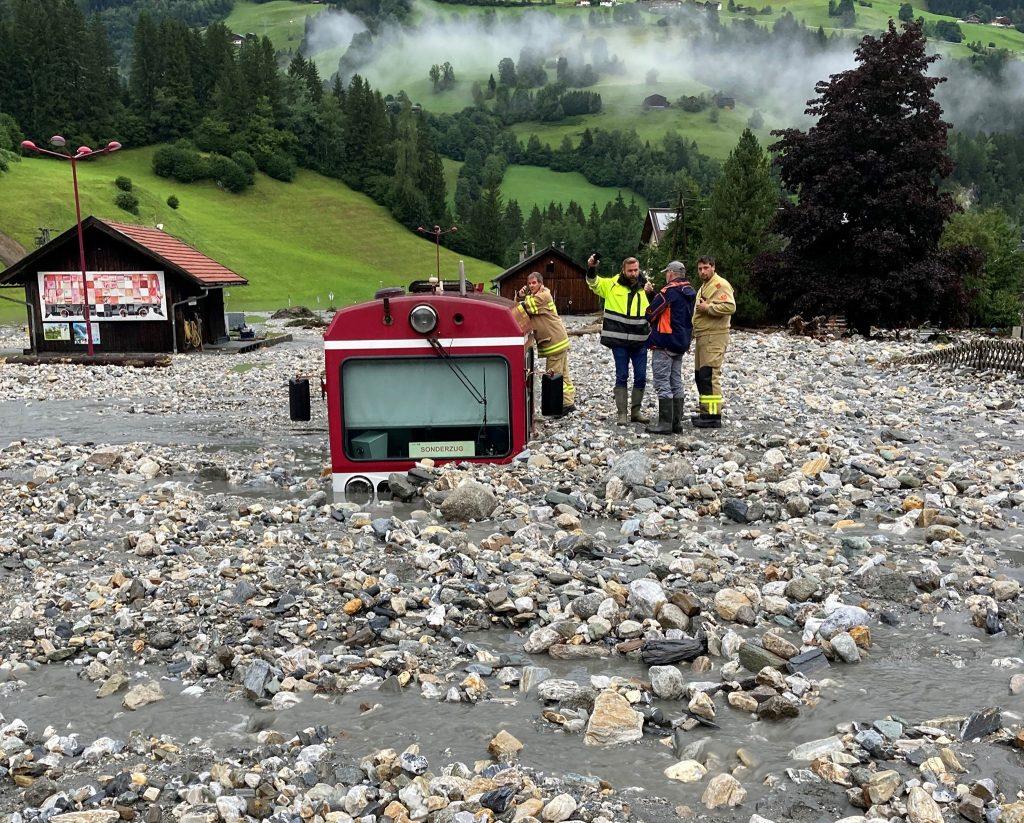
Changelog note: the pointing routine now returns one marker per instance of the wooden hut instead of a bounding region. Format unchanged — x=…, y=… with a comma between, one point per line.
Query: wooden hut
x=563, y=275
x=655, y=225
x=147, y=291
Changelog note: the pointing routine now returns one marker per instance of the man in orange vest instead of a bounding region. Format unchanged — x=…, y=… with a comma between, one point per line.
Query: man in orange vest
x=549, y=331
x=670, y=314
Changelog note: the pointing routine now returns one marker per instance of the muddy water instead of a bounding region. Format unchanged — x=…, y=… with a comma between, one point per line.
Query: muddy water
x=916, y=671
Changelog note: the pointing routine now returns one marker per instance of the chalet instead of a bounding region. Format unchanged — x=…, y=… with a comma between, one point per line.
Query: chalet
x=655, y=225
x=563, y=275
x=608, y=4
x=147, y=291
x=971, y=18
x=1004, y=22
x=582, y=4
x=656, y=101
x=711, y=5
x=236, y=40
x=723, y=101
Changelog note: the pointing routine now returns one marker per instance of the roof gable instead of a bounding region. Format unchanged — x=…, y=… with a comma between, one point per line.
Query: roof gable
x=166, y=249
x=533, y=258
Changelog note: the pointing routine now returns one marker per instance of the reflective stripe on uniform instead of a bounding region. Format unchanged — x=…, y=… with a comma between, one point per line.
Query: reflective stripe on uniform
x=554, y=348
x=713, y=402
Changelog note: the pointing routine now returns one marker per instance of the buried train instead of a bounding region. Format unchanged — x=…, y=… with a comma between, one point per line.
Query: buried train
x=439, y=372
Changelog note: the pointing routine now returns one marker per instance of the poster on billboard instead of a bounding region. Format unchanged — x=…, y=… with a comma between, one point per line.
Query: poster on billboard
x=113, y=295
x=78, y=333
x=56, y=331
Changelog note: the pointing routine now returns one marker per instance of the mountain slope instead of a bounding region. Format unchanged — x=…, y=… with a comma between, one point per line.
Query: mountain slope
x=294, y=241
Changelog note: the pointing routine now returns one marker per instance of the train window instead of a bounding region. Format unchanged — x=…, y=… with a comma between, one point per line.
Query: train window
x=408, y=408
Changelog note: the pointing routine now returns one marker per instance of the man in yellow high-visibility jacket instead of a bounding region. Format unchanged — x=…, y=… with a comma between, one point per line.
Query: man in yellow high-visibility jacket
x=549, y=332
x=624, y=330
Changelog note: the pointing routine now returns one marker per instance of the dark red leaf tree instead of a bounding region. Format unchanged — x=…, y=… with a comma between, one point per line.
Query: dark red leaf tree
x=864, y=228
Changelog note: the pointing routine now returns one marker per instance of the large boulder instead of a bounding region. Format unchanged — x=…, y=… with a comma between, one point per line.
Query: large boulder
x=613, y=721
x=469, y=501
x=631, y=467
x=646, y=596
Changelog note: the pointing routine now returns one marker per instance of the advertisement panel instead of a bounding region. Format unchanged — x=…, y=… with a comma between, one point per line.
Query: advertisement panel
x=113, y=295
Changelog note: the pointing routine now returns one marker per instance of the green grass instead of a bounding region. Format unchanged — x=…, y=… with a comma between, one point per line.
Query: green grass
x=535, y=185
x=294, y=241
x=283, y=21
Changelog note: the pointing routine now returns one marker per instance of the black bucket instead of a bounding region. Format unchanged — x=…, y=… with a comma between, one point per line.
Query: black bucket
x=298, y=399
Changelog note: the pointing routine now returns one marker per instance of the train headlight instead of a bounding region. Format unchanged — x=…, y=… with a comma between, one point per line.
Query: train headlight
x=359, y=490
x=423, y=319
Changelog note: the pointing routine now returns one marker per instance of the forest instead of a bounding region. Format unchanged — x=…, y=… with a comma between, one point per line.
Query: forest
x=223, y=112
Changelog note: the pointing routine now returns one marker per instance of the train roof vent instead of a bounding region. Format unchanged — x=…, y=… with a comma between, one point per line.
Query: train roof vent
x=425, y=286
x=390, y=291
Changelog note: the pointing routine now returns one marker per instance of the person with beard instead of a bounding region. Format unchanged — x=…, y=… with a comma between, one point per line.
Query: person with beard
x=624, y=330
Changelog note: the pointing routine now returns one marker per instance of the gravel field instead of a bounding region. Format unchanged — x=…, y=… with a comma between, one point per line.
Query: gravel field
x=813, y=614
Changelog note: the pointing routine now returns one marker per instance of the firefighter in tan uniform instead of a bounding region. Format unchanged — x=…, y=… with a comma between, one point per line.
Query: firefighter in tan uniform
x=549, y=331
x=711, y=318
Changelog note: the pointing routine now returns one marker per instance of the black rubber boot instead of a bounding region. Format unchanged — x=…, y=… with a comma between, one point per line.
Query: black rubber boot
x=636, y=401
x=666, y=413
x=621, y=406
x=678, y=413
x=707, y=421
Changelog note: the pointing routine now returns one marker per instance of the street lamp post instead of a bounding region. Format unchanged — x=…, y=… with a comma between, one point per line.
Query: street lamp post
x=437, y=233
x=80, y=154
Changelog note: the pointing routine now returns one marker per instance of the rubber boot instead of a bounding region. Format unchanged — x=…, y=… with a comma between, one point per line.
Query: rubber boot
x=708, y=421
x=666, y=414
x=678, y=413
x=621, y=405
x=637, y=400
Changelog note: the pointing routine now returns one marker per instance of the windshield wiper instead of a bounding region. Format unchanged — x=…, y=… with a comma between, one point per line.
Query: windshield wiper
x=441, y=352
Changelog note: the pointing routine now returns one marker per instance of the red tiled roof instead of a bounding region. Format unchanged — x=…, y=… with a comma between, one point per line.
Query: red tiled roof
x=197, y=265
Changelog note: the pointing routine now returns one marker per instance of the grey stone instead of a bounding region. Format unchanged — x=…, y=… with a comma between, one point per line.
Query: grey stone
x=631, y=467
x=469, y=501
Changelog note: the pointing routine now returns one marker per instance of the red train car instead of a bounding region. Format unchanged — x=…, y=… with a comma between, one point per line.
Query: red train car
x=439, y=372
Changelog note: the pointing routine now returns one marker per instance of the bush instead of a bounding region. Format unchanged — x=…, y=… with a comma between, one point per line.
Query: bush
x=127, y=201
x=123, y=183
x=163, y=161
x=227, y=173
x=248, y=165
x=280, y=166
x=186, y=165
x=173, y=202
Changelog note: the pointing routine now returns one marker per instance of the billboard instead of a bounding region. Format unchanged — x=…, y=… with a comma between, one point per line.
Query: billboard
x=113, y=295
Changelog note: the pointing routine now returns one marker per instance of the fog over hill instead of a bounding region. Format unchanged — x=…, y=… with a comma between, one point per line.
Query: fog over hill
x=776, y=76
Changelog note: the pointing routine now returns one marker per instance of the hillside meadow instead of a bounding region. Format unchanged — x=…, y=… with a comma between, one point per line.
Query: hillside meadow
x=296, y=242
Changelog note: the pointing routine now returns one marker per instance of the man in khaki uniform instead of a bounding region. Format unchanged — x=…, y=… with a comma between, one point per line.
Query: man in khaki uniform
x=711, y=319
x=549, y=332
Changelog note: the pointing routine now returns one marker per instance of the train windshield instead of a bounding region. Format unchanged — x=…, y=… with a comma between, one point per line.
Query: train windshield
x=410, y=408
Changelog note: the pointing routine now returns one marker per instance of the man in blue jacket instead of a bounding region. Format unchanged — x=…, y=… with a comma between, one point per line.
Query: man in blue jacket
x=670, y=315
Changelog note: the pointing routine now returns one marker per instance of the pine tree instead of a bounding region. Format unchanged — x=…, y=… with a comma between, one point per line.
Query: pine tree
x=407, y=202
x=147, y=56
x=430, y=180
x=488, y=237
x=735, y=226
x=863, y=237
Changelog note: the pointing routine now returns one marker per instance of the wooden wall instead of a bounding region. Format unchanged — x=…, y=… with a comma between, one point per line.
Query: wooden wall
x=565, y=279
x=104, y=253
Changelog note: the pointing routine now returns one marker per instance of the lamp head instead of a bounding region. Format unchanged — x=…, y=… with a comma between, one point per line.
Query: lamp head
x=83, y=151
x=28, y=145
x=113, y=145
x=58, y=141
